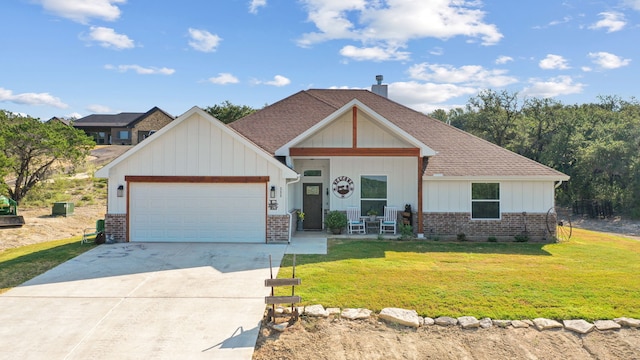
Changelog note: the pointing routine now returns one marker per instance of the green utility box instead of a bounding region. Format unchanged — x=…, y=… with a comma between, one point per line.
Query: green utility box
x=62, y=209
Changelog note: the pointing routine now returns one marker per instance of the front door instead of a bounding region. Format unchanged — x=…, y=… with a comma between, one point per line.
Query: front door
x=312, y=206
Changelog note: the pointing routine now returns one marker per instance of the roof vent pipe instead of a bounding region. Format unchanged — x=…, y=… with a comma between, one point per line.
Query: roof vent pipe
x=379, y=88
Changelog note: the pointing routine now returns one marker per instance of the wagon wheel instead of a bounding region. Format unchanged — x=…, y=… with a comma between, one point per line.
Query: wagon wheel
x=560, y=221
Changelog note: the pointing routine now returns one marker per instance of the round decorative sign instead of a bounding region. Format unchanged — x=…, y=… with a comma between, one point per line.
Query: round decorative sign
x=343, y=187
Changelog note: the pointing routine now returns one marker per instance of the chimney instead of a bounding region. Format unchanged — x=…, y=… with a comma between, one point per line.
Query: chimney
x=379, y=88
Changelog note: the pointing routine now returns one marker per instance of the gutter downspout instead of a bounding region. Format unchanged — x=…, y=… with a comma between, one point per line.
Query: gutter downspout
x=286, y=202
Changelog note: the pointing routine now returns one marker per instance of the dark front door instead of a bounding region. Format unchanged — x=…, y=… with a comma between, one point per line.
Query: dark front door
x=312, y=206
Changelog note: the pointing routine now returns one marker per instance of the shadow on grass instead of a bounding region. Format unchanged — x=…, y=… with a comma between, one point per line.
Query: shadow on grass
x=369, y=249
x=16, y=271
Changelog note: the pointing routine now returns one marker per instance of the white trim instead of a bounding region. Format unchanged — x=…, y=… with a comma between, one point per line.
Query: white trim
x=424, y=149
x=496, y=178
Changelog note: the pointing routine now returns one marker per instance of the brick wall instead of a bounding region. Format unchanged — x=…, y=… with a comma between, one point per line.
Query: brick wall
x=155, y=121
x=277, y=228
x=116, y=225
x=448, y=225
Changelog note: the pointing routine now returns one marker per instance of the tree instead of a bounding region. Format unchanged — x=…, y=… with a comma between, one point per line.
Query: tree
x=228, y=112
x=495, y=117
x=31, y=149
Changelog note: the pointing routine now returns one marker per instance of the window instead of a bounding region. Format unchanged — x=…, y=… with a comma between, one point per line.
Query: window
x=123, y=135
x=373, y=193
x=485, y=201
x=312, y=173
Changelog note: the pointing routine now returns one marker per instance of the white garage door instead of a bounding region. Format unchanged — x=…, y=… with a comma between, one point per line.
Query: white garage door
x=188, y=212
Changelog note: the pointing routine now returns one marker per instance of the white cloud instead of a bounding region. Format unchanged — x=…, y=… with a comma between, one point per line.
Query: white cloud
x=141, y=70
x=561, y=85
x=422, y=96
x=31, y=99
x=552, y=62
x=394, y=23
x=470, y=75
x=608, y=61
x=73, y=115
x=503, y=59
x=99, y=109
x=612, y=21
x=278, y=81
x=373, y=53
x=83, y=10
x=204, y=41
x=223, y=79
x=634, y=4
x=108, y=38
x=255, y=4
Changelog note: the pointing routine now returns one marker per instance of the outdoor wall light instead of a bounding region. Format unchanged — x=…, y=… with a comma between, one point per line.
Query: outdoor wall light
x=272, y=192
x=120, y=190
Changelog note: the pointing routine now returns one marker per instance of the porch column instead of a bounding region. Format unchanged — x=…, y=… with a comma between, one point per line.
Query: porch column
x=419, y=215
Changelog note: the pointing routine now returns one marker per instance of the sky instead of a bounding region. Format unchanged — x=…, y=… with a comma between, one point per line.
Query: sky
x=72, y=58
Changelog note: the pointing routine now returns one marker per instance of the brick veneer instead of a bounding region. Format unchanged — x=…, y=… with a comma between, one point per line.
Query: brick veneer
x=277, y=228
x=511, y=224
x=116, y=225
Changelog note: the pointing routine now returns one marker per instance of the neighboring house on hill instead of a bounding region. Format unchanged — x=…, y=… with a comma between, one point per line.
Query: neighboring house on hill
x=60, y=120
x=123, y=128
x=321, y=150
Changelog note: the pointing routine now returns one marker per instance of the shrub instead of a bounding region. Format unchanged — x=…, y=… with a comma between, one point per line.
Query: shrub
x=521, y=238
x=406, y=232
x=336, y=220
x=461, y=237
x=492, y=239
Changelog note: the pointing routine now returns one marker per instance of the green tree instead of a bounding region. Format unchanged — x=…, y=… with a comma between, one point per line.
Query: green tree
x=228, y=112
x=31, y=149
x=494, y=116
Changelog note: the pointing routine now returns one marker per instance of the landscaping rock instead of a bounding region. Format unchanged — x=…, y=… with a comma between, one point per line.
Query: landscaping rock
x=546, y=324
x=279, y=327
x=604, y=325
x=579, y=326
x=429, y=321
x=486, y=323
x=400, y=316
x=634, y=323
x=468, y=322
x=528, y=322
x=518, y=324
x=356, y=314
x=333, y=311
x=502, y=323
x=316, y=311
x=446, y=321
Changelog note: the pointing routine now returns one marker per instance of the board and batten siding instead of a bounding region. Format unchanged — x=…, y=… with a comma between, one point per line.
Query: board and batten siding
x=515, y=196
x=339, y=133
x=194, y=147
x=401, y=172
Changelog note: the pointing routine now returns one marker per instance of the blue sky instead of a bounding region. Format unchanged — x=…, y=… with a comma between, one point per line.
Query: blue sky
x=72, y=58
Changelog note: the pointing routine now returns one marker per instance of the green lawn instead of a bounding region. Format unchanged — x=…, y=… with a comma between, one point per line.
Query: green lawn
x=592, y=276
x=24, y=263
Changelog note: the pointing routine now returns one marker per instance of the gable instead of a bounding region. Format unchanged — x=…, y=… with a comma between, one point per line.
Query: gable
x=195, y=144
x=355, y=125
x=339, y=133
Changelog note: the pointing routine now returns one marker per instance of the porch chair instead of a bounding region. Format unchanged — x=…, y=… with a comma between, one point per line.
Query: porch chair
x=389, y=221
x=355, y=222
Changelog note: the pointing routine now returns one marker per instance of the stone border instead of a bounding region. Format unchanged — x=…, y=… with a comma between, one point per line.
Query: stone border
x=411, y=318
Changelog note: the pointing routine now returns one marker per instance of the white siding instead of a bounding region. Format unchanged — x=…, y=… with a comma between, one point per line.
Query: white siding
x=515, y=196
x=194, y=147
x=401, y=172
x=370, y=134
x=337, y=134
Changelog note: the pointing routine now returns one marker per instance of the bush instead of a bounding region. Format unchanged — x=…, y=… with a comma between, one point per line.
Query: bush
x=461, y=237
x=336, y=220
x=521, y=238
x=406, y=232
x=492, y=239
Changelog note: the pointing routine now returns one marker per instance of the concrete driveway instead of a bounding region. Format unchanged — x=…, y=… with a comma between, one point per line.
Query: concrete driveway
x=142, y=301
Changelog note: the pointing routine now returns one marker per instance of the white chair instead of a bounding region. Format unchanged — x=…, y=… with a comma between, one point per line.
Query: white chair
x=355, y=222
x=389, y=221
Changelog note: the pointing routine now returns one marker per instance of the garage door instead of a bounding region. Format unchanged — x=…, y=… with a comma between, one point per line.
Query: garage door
x=187, y=212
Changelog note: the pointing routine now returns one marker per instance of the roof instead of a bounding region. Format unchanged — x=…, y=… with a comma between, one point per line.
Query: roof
x=124, y=119
x=458, y=153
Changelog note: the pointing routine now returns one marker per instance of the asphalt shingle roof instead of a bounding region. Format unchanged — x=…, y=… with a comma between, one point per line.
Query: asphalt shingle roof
x=458, y=153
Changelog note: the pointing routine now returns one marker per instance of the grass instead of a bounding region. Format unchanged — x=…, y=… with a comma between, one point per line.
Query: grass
x=592, y=276
x=81, y=192
x=24, y=263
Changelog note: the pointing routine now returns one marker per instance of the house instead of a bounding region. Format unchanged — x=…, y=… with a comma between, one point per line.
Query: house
x=320, y=150
x=127, y=128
